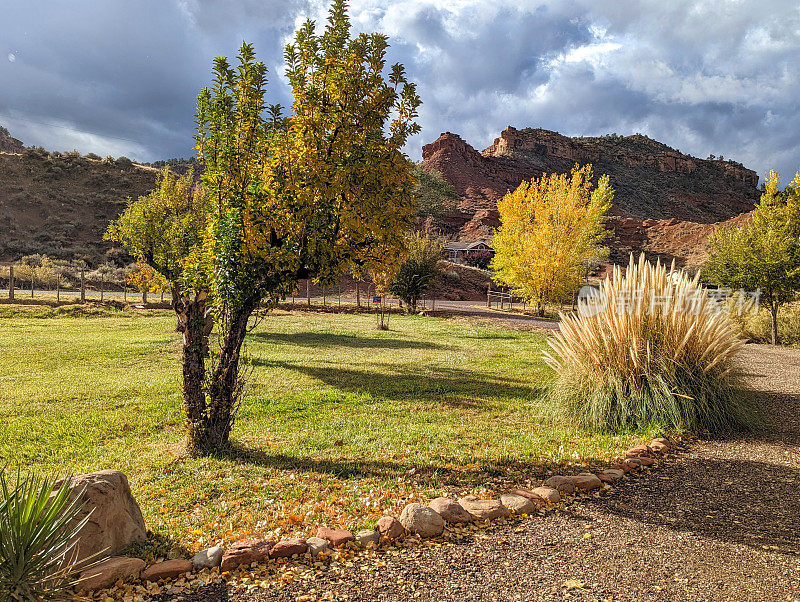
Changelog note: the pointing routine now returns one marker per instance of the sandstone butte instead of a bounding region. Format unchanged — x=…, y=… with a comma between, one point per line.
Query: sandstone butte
x=666, y=203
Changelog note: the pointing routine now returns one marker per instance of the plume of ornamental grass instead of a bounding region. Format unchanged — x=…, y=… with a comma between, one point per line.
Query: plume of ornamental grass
x=655, y=351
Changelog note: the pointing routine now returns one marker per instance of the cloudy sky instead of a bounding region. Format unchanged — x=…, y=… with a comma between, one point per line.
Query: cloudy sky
x=723, y=77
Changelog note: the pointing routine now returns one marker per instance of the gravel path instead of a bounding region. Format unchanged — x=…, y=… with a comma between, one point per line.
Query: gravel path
x=476, y=309
x=720, y=521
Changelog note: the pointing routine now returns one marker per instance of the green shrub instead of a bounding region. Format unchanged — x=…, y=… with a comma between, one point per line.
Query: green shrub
x=452, y=276
x=758, y=328
x=37, y=554
x=654, y=353
x=417, y=273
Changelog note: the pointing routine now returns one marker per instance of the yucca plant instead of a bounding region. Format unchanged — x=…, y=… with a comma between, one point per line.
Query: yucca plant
x=37, y=538
x=654, y=351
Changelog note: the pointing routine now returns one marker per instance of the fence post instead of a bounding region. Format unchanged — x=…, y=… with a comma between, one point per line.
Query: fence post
x=339, y=294
x=489, y=297
x=308, y=291
x=101, y=286
x=58, y=287
x=125, y=293
x=83, y=285
x=358, y=295
x=323, y=295
x=11, y=283
x=32, y=278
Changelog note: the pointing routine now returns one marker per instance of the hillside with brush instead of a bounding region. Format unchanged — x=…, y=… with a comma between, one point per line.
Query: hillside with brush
x=60, y=204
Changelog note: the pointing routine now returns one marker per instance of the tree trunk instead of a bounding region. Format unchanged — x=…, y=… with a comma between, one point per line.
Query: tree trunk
x=196, y=323
x=773, y=310
x=224, y=390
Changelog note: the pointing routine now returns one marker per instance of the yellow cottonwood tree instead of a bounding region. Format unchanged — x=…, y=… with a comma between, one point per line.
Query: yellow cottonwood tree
x=550, y=228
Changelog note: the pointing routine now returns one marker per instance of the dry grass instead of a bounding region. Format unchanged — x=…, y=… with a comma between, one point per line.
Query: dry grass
x=654, y=351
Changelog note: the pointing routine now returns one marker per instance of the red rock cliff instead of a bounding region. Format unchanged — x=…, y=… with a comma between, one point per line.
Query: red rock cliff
x=652, y=182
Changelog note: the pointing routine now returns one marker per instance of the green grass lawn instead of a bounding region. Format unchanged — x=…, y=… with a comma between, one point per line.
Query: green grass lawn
x=341, y=422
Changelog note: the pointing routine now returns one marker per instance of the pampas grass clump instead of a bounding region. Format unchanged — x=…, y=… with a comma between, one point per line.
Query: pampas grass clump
x=655, y=352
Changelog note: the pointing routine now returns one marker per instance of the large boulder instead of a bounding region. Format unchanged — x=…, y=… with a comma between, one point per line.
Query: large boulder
x=115, y=520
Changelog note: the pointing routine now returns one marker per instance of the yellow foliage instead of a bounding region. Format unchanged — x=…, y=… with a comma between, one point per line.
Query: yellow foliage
x=146, y=279
x=550, y=229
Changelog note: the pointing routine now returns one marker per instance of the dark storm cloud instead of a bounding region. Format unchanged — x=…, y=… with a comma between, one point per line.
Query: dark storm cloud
x=122, y=77
x=703, y=76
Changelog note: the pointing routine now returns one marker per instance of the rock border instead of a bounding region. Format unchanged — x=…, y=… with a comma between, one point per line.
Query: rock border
x=442, y=517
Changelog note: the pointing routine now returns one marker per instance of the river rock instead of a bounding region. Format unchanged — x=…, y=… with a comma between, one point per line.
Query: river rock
x=207, y=559
x=316, y=545
x=517, y=503
x=288, y=547
x=368, y=537
x=549, y=494
x=638, y=451
x=586, y=481
x=660, y=445
x=245, y=553
x=483, y=509
x=108, y=572
x=537, y=500
x=390, y=528
x=168, y=569
x=563, y=484
x=422, y=520
x=335, y=537
x=450, y=510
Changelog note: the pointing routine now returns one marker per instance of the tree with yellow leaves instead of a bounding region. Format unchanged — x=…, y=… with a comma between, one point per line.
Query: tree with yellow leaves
x=550, y=229
x=318, y=192
x=146, y=280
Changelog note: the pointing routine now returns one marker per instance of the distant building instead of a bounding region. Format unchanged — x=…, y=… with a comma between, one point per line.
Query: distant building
x=461, y=252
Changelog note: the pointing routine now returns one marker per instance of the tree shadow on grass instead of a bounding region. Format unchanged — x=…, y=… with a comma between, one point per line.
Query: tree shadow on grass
x=327, y=339
x=445, y=471
x=450, y=387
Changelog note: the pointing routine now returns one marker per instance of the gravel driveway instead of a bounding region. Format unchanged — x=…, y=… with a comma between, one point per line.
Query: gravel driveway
x=720, y=521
